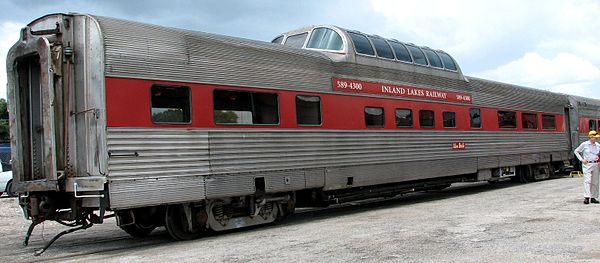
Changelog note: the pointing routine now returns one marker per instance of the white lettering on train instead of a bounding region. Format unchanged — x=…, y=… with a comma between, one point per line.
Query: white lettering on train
x=393, y=90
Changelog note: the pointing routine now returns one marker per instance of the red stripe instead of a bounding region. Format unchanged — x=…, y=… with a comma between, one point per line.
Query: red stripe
x=128, y=105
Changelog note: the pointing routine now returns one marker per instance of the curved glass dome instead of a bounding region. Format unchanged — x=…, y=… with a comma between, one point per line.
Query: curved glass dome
x=338, y=40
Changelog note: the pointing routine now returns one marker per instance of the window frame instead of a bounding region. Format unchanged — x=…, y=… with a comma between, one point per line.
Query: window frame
x=553, y=117
x=320, y=110
x=280, y=37
x=471, y=119
x=523, y=121
x=412, y=118
x=190, y=107
x=427, y=52
x=391, y=42
x=450, y=58
x=444, y=120
x=247, y=124
x=590, y=122
x=413, y=57
x=382, y=117
x=507, y=128
x=393, y=58
x=303, y=43
x=432, y=118
x=354, y=45
x=340, y=34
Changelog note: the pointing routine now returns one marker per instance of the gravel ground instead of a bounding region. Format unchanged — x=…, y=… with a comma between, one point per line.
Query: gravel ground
x=503, y=222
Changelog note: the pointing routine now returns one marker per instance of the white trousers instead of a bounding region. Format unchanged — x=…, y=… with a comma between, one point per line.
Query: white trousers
x=590, y=180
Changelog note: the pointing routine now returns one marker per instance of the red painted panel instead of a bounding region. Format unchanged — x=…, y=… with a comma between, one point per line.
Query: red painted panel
x=128, y=105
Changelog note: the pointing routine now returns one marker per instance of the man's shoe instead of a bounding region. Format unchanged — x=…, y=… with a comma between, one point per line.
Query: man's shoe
x=586, y=200
x=593, y=200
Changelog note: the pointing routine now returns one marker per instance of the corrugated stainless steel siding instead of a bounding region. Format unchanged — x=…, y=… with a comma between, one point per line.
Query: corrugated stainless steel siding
x=138, y=50
x=258, y=150
x=587, y=107
x=541, y=157
x=337, y=178
x=127, y=193
x=509, y=160
x=227, y=185
x=502, y=95
x=226, y=162
x=147, y=51
x=157, y=152
x=240, y=184
x=156, y=166
x=486, y=162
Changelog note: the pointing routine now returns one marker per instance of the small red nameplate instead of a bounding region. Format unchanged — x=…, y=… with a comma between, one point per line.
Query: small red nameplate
x=458, y=146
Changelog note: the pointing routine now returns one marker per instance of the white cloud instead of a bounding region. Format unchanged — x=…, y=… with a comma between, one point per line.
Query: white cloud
x=486, y=33
x=579, y=89
x=565, y=72
x=459, y=26
x=545, y=44
x=9, y=34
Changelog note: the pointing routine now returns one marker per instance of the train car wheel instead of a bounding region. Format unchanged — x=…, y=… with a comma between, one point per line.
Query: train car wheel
x=138, y=230
x=176, y=223
x=523, y=174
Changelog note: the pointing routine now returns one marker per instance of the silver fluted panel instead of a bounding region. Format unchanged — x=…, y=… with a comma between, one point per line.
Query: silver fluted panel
x=253, y=150
x=364, y=175
x=147, y=51
x=139, y=153
x=215, y=163
x=127, y=193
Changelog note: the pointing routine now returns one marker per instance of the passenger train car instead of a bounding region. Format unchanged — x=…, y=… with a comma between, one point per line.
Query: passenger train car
x=196, y=131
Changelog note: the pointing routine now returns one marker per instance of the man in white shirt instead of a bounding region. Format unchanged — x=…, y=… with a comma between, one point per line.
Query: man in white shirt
x=587, y=153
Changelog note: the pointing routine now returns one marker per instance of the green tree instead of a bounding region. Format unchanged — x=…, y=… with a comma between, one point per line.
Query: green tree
x=4, y=131
x=3, y=109
x=225, y=117
x=170, y=115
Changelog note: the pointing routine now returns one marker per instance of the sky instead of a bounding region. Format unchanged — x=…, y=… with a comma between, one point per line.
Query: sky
x=544, y=44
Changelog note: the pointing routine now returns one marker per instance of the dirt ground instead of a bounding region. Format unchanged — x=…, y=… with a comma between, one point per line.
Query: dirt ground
x=503, y=222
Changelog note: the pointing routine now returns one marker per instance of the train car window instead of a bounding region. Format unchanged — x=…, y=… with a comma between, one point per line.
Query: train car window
x=417, y=55
x=401, y=51
x=361, y=44
x=448, y=61
x=529, y=121
x=434, y=60
x=475, y=114
x=449, y=119
x=325, y=38
x=404, y=118
x=277, y=40
x=507, y=119
x=374, y=117
x=426, y=119
x=244, y=107
x=383, y=49
x=548, y=122
x=296, y=40
x=170, y=104
x=592, y=125
x=308, y=110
